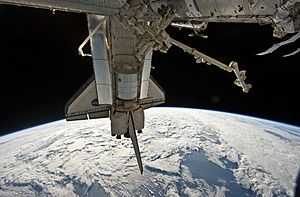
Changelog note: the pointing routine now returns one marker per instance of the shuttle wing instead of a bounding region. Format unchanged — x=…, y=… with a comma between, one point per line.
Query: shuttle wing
x=84, y=104
x=100, y=7
x=156, y=95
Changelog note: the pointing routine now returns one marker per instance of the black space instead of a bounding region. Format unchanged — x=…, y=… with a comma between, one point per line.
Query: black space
x=41, y=69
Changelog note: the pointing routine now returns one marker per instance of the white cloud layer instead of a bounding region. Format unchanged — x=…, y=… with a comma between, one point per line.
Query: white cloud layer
x=185, y=152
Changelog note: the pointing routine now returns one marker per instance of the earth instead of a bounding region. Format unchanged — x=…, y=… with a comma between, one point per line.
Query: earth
x=185, y=152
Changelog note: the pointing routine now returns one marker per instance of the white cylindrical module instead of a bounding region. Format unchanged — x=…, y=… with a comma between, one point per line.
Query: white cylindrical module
x=127, y=86
x=219, y=8
x=243, y=11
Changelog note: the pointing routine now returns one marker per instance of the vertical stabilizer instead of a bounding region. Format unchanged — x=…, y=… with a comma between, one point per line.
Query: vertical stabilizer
x=135, y=142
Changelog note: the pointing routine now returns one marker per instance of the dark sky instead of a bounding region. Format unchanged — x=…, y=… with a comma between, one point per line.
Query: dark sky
x=41, y=69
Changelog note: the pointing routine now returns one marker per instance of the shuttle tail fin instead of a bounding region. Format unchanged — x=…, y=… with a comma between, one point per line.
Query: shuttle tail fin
x=134, y=140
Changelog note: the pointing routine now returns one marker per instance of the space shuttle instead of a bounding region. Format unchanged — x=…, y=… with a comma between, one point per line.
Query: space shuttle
x=123, y=35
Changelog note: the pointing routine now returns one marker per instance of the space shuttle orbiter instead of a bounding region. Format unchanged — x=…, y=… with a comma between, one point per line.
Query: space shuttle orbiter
x=123, y=35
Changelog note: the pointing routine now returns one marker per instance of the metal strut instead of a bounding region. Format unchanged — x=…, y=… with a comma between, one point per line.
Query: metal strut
x=280, y=44
x=80, y=48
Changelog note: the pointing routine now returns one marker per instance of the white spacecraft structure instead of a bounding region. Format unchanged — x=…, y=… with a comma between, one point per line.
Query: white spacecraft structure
x=123, y=35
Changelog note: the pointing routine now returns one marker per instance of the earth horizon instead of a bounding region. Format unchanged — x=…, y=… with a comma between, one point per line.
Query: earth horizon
x=185, y=152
